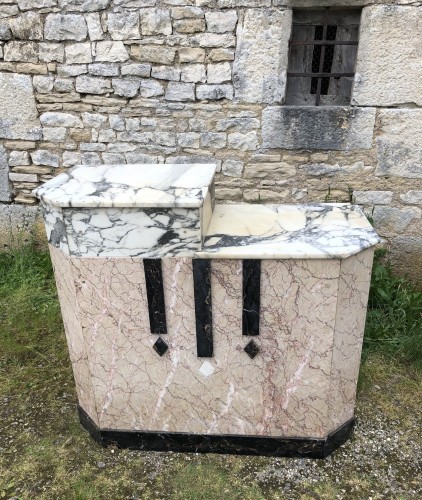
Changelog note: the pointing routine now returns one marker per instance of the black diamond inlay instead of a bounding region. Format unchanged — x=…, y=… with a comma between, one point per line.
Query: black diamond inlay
x=251, y=349
x=160, y=346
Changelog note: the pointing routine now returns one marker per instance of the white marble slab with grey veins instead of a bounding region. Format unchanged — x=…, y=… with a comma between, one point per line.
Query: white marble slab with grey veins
x=320, y=231
x=133, y=232
x=162, y=185
x=168, y=210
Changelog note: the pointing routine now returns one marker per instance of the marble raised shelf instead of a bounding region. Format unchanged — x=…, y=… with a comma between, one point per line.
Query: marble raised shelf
x=234, y=328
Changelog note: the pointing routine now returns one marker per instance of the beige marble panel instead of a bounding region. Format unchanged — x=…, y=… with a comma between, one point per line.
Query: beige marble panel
x=65, y=272
x=298, y=305
x=355, y=275
x=286, y=390
x=111, y=296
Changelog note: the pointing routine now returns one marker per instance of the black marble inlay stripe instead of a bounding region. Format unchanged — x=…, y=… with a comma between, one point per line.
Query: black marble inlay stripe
x=155, y=295
x=251, y=296
x=224, y=443
x=203, y=313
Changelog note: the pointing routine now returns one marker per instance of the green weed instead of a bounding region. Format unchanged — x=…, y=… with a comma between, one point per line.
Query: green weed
x=394, y=320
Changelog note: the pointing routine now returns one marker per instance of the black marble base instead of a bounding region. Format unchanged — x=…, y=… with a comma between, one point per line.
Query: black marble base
x=204, y=443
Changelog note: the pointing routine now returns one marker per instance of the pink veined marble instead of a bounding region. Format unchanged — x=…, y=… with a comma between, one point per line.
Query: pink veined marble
x=302, y=383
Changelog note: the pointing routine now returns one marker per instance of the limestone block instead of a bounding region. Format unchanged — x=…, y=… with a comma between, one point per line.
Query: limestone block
x=214, y=92
x=20, y=145
x=65, y=27
x=190, y=55
x=94, y=120
x=36, y=4
x=43, y=84
x=78, y=53
x=69, y=70
x=18, y=112
x=51, y=52
x=320, y=169
x=399, y=149
x=126, y=87
x=136, y=70
x=84, y=5
x=28, y=26
x=117, y=122
x=221, y=22
x=406, y=257
x=180, y=92
x=189, y=25
x=166, y=73
x=213, y=140
x=187, y=13
x=53, y=119
x=151, y=88
x=219, y=73
x=156, y=22
x=31, y=68
x=113, y=158
x=298, y=127
x=92, y=85
x=23, y=177
x=259, y=70
x=111, y=52
x=410, y=198
x=213, y=40
x=8, y=11
x=21, y=51
x=18, y=158
x=373, y=197
x=4, y=176
x=232, y=168
x=45, y=157
x=276, y=170
x=123, y=25
x=390, y=221
x=5, y=31
x=90, y=159
x=218, y=55
x=54, y=134
x=95, y=28
x=133, y=4
x=238, y=124
x=70, y=158
x=153, y=54
x=188, y=140
x=389, y=60
x=103, y=69
x=243, y=142
x=193, y=73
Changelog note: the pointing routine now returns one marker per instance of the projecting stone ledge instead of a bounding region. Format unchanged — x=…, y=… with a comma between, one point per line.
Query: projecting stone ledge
x=328, y=128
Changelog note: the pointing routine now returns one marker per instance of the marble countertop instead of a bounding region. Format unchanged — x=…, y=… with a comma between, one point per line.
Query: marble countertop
x=158, y=185
x=319, y=231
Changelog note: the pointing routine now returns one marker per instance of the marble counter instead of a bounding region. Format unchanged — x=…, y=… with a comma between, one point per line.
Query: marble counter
x=200, y=327
x=320, y=231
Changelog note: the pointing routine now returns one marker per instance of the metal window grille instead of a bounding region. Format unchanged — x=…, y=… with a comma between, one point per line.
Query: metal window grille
x=322, y=55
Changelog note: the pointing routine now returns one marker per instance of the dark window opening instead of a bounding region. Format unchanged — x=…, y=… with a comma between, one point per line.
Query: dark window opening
x=322, y=57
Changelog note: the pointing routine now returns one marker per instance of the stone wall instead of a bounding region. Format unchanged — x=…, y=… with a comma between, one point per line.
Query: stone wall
x=136, y=81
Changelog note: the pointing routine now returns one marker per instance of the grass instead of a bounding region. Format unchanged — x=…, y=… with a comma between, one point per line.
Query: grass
x=44, y=452
x=394, y=320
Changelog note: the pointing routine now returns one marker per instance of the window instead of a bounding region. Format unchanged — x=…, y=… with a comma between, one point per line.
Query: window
x=322, y=57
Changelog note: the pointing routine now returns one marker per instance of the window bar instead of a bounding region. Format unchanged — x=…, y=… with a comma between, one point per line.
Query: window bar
x=321, y=60
x=323, y=42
